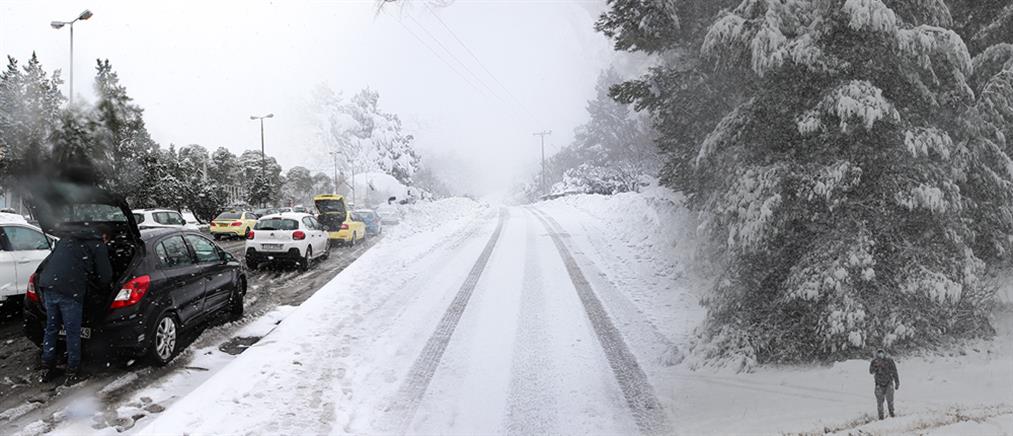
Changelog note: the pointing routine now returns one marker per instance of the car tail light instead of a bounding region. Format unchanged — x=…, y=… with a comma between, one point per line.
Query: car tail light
x=298, y=235
x=236, y=223
x=344, y=226
x=131, y=292
x=250, y=235
x=32, y=293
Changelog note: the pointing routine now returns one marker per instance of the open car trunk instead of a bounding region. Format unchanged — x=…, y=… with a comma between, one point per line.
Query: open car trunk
x=71, y=210
x=332, y=213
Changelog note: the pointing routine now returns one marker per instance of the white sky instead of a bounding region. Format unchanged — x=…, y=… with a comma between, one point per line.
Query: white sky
x=200, y=69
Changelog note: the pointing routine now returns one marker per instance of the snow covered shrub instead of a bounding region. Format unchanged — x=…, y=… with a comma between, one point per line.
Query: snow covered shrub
x=594, y=179
x=856, y=181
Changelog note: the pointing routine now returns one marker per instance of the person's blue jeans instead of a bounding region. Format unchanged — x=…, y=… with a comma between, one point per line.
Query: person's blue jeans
x=65, y=311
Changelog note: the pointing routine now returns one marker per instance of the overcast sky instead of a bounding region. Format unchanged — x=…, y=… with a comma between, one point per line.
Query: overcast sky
x=200, y=69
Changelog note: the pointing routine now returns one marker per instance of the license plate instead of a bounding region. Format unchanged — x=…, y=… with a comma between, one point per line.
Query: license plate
x=271, y=247
x=85, y=332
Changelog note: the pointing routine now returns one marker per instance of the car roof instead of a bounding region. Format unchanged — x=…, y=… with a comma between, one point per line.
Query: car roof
x=153, y=210
x=12, y=218
x=364, y=210
x=290, y=215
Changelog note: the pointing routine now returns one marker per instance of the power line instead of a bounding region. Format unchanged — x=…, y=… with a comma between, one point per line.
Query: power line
x=480, y=63
x=454, y=57
x=440, y=57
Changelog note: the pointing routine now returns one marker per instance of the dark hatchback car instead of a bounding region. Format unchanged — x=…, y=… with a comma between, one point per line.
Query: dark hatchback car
x=166, y=280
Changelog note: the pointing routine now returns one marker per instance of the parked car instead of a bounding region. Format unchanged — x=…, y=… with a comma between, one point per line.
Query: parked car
x=193, y=223
x=234, y=224
x=153, y=218
x=374, y=225
x=300, y=208
x=22, y=248
x=341, y=229
x=166, y=280
x=293, y=238
x=264, y=211
x=389, y=214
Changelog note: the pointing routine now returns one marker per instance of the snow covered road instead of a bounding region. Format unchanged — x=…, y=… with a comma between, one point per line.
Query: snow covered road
x=474, y=327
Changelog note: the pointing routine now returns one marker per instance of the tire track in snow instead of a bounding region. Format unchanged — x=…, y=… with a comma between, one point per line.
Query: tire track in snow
x=409, y=395
x=644, y=405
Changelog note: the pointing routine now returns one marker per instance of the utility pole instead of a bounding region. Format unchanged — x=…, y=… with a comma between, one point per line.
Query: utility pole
x=542, y=134
x=263, y=155
x=59, y=24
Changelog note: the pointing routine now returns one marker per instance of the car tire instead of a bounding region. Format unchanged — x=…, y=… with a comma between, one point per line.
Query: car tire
x=304, y=263
x=165, y=339
x=252, y=264
x=354, y=238
x=218, y=237
x=236, y=305
x=327, y=253
x=246, y=233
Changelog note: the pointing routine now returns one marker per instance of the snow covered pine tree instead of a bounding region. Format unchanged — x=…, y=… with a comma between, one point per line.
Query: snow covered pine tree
x=859, y=186
x=856, y=183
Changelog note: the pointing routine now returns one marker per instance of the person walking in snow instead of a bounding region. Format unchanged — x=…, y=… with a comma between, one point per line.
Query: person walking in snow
x=76, y=263
x=884, y=372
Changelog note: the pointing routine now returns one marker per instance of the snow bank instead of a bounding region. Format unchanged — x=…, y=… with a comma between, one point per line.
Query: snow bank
x=296, y=379
x=374, y=188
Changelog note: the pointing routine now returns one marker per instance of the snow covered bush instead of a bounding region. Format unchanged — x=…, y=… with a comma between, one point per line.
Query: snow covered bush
x=850, y=164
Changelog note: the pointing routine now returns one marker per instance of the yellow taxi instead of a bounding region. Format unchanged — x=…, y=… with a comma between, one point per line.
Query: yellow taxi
x=335, y=217
x=233, y=224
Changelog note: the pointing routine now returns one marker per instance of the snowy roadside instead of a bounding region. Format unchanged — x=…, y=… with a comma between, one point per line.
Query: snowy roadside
x=643, y=247
x=307, y=364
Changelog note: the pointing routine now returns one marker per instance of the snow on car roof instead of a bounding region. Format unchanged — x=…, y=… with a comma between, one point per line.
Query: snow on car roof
x=290, y=215
x=12, y=218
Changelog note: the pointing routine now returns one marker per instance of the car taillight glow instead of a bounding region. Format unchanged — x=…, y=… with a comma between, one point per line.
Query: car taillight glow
x=250, y=235
x=344, y=226
x=131, y=292
x=298, y=235
x=32, y=293
x=236, y=223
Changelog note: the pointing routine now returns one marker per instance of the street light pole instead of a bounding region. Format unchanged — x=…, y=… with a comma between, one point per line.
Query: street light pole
x=263, y=154
x=543, y=134
x=59, y=24
x=351, y=168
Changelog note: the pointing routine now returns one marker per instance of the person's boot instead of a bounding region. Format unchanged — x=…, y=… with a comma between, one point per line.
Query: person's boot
x=74, y=376
x=49, y=373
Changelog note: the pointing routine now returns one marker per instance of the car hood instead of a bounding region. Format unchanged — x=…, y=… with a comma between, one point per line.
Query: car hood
x=68, y=209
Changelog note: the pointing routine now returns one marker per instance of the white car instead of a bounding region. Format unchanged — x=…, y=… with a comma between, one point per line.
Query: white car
x=154, y=218
x=193, y=223
x=22, y=248
x=286, y=238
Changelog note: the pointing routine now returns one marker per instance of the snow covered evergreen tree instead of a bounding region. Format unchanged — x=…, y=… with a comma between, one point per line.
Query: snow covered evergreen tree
x=855, y=185
x=30, y=111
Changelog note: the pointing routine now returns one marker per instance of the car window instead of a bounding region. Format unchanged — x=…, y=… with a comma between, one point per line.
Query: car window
x=204, y=249
x=139, y=218
x=308, y=222
x=172, y=252
x=229, y=216
x=25, y=239
x=276, y=224
x=176, y=218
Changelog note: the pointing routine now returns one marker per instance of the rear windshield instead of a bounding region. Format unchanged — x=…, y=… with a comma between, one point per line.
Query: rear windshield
x=139, y=218
x=83, y=213
x=276, y=224
x=228, y=216
x=331, y=206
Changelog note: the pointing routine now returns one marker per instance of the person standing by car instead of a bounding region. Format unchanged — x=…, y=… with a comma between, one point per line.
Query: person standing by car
x=75, y=264
x=884, y=372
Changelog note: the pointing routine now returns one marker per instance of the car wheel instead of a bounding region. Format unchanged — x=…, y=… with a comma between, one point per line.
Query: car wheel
x=236, y=305
x=218, y=237
x=304, y=263
x=251, y=264
x=354, y=238
x=246, y=233
x=165, y=340
x=327, y=252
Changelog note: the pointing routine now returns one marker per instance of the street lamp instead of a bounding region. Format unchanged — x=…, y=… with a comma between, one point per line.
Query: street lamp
x=351, y=167
x=59, y=25
x=263, y=155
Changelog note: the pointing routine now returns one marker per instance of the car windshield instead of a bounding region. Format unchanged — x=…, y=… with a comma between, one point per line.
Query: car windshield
x=229, y=216
x=276, y=224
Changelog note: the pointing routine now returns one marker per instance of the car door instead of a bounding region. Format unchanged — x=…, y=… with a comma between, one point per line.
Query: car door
x=215, y=271
x=29, y=247
x=181, y=274
x=8, y=273
x=313, y=233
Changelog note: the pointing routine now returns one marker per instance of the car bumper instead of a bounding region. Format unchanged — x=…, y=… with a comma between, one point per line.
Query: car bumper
x=123, y=336
x=232, y=231
x=341, y=235
x=254, y=257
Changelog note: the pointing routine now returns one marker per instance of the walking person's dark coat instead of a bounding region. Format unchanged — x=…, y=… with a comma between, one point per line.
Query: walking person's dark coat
x=76, y=265
x=884, y=372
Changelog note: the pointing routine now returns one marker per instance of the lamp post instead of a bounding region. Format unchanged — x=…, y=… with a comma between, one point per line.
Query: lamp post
x=543, y=134
x=350, y=167
x=58, y=25
x=263, y=155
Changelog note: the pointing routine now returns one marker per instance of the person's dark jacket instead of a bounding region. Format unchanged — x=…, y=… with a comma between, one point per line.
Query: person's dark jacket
x=884, y=371
x=75, y=264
